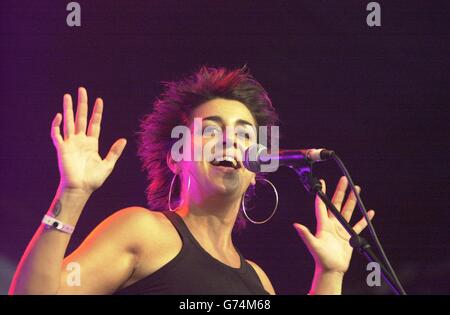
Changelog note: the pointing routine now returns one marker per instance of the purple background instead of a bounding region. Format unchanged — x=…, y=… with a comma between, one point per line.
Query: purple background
x=377, y=96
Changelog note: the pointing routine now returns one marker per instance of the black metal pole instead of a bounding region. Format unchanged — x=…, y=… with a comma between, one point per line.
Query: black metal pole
x=314, y=187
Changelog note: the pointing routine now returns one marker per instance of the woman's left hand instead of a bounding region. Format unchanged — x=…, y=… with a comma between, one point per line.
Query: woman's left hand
x=330, y=246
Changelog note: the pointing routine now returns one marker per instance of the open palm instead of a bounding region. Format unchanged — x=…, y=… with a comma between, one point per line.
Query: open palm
x=330, y=246
x=80, y=165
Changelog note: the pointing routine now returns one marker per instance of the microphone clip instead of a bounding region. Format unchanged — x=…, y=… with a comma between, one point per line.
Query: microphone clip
x=304, y=171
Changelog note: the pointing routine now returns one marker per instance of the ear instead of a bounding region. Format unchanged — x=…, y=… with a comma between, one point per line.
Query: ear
x=172, y=164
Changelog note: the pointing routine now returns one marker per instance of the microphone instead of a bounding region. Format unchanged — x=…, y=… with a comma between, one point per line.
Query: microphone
x=257, y=159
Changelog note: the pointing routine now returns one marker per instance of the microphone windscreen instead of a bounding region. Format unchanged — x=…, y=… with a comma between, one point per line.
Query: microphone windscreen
x=252, y=156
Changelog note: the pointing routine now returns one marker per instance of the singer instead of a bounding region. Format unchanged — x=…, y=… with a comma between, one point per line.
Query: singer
x=181, y=244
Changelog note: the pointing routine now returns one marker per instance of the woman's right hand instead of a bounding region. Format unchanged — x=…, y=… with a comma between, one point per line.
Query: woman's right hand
x=80, y=166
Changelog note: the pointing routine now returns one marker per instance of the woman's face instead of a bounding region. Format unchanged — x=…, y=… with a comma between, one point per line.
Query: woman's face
x=227, y=130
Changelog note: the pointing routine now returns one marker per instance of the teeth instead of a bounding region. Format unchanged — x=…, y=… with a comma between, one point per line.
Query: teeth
x=230, y=159
x=227, y=158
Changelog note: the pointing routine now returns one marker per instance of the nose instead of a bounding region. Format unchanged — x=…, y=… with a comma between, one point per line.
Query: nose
x=229, y=139
x=231, y=145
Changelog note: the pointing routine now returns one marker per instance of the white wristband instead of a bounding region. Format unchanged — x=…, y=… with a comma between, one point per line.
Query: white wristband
x=54, y=223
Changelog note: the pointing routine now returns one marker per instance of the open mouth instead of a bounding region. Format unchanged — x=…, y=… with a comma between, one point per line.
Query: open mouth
x=226, y=161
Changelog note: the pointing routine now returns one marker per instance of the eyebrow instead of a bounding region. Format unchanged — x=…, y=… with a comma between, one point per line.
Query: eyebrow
x=219, y=120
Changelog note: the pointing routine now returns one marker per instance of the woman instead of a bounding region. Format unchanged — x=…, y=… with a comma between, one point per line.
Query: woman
x=182, y=247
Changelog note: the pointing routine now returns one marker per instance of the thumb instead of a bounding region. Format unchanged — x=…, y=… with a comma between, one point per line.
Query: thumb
x=115, y=151
x=307, y=237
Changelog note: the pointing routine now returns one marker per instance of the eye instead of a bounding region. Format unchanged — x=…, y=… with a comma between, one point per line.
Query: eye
x=244, y=133
x=212, y=131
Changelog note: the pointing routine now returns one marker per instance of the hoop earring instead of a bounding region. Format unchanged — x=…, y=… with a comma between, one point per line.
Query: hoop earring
x=274, y=210
x=170, y=190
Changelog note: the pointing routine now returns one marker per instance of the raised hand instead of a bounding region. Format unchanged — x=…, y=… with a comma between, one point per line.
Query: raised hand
x=81, y=167
x=330, y=246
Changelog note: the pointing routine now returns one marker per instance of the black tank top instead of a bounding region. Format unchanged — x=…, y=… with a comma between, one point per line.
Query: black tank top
x=195, y=271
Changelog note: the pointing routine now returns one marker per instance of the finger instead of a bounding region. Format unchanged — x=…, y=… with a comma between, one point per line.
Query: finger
x=55, y=131
x=308, y=238
x=82, y=109
x=68, y=116
x=321, y=209
x=361, y=225
x=339, y=193
x=347, y=210
x=115, y=151
x=96, y=119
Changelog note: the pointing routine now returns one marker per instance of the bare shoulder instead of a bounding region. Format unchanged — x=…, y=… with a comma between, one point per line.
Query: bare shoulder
x=131, y=217
x=141, y=217
x=263, y=277
x=134, y=214
x=111, y=252
x=137, y=223
x=149, y=236
x=146, y=232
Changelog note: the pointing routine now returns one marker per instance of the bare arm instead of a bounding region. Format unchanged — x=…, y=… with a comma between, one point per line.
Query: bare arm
x=82, y=171
x=107, y=258
x=39, y=269
x=326, y=283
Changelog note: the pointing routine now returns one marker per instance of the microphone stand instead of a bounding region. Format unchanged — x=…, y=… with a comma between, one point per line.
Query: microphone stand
x=314, y=187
